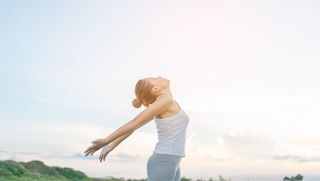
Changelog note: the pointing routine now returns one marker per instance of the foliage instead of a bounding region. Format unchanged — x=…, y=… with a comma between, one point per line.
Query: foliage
x=39, y=167
x=185, y=179
x=11, y=168
x=71, y=174
x=36, y=171
x=298, y=177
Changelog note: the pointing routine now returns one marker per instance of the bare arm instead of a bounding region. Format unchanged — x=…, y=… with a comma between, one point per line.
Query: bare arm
x=115, y=143
x=161, y=104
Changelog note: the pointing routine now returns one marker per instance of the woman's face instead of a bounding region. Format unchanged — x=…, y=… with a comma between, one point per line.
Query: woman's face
x=160, y=82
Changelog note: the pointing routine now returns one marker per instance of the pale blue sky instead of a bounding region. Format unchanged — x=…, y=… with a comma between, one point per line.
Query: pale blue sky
x=246, y=73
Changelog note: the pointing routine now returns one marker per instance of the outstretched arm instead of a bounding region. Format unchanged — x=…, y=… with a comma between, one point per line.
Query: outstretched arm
x=160, y=105
x=141, y=119
x=108, y=148
x=115, y=143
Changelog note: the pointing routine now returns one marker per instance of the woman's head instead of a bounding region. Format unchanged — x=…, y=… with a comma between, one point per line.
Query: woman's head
x=148, y=89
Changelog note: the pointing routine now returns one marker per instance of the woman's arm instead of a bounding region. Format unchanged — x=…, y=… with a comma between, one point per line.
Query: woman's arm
x=115, y=143
x=160, y=105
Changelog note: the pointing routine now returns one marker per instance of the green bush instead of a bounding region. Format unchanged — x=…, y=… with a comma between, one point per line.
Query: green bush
x=14, y=168
x=37, y=166
x=71, y=174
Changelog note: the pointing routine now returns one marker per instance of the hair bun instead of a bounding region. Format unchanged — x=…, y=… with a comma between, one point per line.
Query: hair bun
x=136, y=103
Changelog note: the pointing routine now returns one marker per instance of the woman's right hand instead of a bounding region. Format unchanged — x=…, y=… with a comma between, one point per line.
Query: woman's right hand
x=104, y=152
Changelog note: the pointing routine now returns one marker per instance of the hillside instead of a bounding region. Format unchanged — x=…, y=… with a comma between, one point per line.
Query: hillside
x=37, y=171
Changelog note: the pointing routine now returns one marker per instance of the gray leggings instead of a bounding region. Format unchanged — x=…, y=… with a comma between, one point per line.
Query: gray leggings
x=163, y=167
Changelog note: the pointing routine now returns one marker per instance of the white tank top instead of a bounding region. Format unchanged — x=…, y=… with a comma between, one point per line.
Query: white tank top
x=172, y=134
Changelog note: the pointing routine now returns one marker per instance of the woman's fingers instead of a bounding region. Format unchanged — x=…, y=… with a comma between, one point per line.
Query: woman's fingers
x=88, y=153
x=93, y=151
x=104, y=157
x=87, y=150
x=100, y=158
x=90, y=148
x=96, y=146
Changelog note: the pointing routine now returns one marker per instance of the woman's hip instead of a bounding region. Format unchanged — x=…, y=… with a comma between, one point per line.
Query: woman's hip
x=160, y=158
x=162, y=167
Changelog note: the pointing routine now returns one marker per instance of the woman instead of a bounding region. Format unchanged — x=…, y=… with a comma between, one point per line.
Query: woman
x=171, y=122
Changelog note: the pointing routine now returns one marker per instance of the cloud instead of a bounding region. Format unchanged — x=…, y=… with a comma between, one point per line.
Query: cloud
x=256, y=145
x=14, y=154
x=249, y=144
x=307, y=141
x=302, y=149
x=25, y=155
x=127, y=156
x=82, y=156
x=298, y=158
x=119, y=157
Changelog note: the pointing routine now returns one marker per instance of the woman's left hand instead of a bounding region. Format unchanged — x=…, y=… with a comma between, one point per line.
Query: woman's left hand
x=97, y=144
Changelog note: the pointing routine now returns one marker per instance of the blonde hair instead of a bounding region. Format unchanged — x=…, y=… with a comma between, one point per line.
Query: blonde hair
x=143, y=93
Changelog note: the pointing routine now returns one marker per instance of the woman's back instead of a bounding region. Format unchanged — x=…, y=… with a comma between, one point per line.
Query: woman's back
x=172, y=133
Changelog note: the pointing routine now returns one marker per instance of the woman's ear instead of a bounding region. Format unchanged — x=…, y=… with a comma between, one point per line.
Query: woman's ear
x=155, y=90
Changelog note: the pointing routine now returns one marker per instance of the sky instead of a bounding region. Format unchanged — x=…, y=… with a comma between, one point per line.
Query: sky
x=245, y=72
